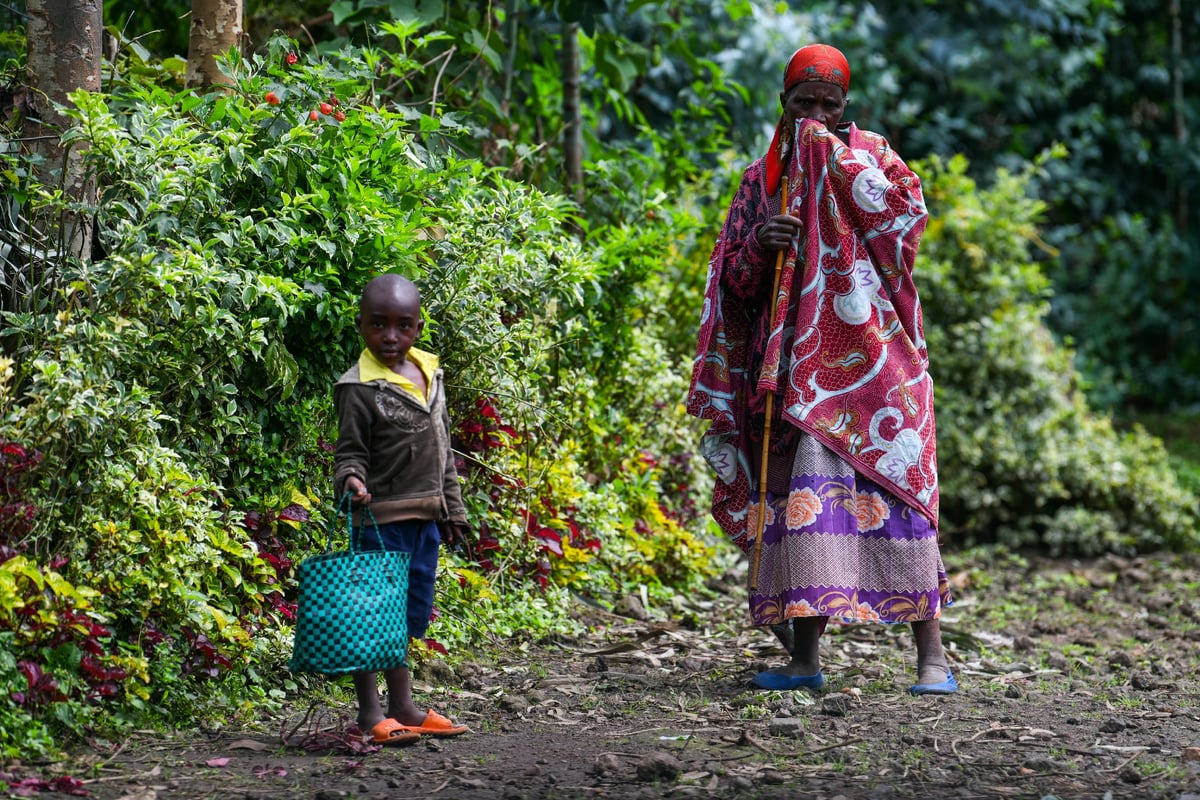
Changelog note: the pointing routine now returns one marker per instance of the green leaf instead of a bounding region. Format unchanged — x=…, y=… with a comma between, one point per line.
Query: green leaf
x=481, y=45
x=422, y=12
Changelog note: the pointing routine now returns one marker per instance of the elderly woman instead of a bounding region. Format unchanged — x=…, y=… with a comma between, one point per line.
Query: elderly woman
x=811, y=347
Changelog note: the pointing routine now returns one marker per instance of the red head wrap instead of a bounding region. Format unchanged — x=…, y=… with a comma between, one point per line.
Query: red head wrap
x=814, y=62
x=817, y=62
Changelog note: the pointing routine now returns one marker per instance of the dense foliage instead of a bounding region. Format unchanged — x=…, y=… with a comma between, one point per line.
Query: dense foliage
x=1000, y=83
x=176, y=391
x=165, y=411
x=1109, y=87
x=1022, y=458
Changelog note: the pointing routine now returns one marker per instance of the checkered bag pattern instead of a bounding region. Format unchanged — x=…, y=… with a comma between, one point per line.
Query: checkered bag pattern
x=351, y=615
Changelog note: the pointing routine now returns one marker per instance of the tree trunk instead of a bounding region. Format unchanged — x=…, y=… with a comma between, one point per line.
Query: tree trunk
x=572, y=119
x=63, y=38
x=511, y=19
x=1181, y=131
x=216, y=27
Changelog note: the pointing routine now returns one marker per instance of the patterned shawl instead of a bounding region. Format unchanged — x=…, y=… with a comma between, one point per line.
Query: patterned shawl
x=847, y=357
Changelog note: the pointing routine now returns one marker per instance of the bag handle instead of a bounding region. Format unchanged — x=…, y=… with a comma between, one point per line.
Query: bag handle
x=353, y=534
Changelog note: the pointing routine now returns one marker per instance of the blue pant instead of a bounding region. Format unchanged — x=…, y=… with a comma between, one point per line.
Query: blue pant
x=419, y=538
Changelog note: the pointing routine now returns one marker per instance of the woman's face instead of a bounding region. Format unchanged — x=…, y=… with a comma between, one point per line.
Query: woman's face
x=816, y=100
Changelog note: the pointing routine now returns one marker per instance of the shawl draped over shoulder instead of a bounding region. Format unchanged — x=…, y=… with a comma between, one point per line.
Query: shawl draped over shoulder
x=846, y=358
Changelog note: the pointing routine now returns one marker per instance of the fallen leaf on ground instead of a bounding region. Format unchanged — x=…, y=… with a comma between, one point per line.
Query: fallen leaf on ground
x=249, y=744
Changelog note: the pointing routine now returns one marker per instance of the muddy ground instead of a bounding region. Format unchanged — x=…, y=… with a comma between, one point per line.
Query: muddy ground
x=1079, y=680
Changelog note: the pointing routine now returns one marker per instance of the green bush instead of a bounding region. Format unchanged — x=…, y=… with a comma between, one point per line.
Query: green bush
x=1023, y=460
x=1123, y=283
x=178, y=390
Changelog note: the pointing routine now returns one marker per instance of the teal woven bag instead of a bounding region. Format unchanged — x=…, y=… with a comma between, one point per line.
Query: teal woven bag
x=351, y=615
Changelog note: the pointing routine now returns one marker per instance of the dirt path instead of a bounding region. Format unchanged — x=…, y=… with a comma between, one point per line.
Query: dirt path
x=1079, y=681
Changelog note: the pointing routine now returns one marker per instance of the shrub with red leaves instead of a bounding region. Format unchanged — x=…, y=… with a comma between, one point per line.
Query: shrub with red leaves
x=16, y=513
x=28, y=787
x=204, y=659
x=264, y=530
x=43, y=688
x=483, y=430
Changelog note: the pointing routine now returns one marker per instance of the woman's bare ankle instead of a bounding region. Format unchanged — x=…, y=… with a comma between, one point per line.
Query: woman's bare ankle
x=797, y=668
x=933, y=672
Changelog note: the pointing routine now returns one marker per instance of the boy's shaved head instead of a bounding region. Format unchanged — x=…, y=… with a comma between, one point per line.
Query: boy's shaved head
x=389, y=317
x=389, y=286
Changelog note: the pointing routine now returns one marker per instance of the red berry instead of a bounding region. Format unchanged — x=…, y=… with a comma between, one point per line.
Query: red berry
x=271, y=98
x=313, y=115
x=292, y=58
x=334, y=101
x=339, y=116
x=326, y=108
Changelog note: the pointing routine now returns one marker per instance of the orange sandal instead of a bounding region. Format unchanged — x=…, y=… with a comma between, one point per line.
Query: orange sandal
x=438, y=726
x=390, y=733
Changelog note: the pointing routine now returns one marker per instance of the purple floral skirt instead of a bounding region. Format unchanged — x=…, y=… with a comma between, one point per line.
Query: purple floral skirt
x=838, y=545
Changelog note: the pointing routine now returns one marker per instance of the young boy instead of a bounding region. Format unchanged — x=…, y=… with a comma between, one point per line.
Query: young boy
x=393, y=452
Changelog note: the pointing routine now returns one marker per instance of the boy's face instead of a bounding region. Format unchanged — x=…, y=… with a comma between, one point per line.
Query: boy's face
x=390, y=321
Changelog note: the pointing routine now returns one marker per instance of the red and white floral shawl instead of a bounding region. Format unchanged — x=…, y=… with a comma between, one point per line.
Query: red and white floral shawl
x=846, y=357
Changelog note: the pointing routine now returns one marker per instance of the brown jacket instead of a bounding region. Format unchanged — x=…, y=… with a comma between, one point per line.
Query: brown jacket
x=398, y=447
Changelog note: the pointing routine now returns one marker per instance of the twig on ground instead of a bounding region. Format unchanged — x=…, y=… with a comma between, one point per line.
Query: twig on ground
x=993, y=728
x=285, y=738
x=833, y=746
x=150, y=773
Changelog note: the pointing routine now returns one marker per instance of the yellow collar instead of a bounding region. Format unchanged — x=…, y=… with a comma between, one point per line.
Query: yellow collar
x=371, y=369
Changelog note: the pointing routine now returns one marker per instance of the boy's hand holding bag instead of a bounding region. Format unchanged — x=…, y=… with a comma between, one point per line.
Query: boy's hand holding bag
x=351, y=613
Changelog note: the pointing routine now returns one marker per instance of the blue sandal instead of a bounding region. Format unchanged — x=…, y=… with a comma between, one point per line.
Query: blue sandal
x=948, y=686
x=773, y=680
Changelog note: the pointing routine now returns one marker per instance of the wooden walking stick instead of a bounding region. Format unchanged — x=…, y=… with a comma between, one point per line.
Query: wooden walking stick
x=761, y=522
